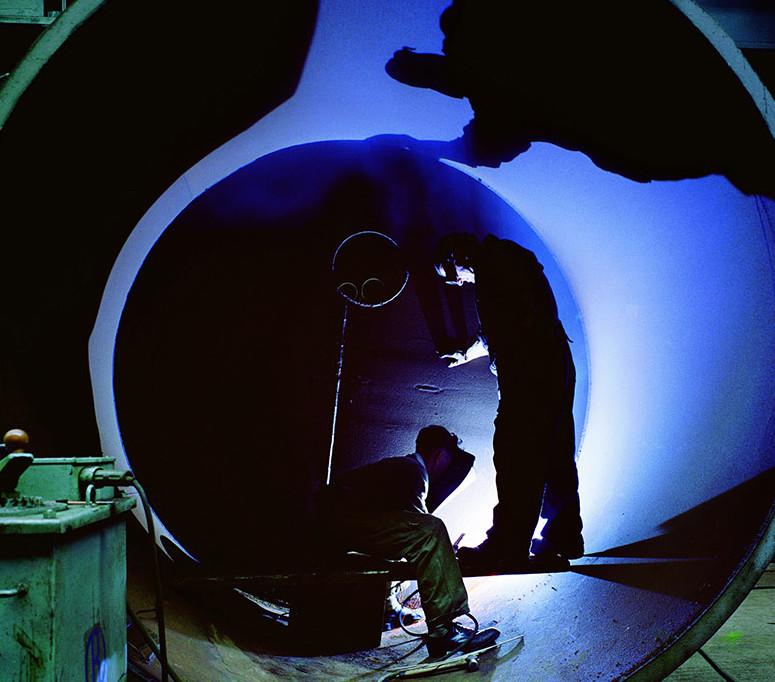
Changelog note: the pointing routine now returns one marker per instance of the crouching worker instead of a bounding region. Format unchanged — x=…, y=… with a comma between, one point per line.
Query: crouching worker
x=380, y=509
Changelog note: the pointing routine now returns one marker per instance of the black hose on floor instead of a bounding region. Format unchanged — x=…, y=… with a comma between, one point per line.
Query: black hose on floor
x=149, y=638
x=162, y=652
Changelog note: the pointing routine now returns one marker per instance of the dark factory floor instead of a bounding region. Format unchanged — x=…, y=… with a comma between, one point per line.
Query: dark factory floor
x=234, y=643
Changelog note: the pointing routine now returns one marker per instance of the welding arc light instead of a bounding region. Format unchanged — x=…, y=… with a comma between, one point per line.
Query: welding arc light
x=368, y=269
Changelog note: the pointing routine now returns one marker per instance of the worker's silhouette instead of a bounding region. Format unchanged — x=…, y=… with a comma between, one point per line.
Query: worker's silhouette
x=534, y=441
x=381, y=509
x=634, y=86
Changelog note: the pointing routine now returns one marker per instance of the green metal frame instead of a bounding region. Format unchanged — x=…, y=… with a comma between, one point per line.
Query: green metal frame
x=47, y=43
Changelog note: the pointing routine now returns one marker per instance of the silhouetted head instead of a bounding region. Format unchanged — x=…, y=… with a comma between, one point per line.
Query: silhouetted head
x=455, y=258
x=438, y=448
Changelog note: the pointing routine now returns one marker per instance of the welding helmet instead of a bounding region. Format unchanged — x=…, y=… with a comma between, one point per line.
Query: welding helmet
x=461, y=464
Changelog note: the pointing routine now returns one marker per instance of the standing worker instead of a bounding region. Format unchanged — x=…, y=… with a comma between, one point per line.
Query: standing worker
x=534, y=442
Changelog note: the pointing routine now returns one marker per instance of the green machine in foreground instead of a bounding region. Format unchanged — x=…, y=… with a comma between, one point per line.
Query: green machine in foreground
x=62, y=567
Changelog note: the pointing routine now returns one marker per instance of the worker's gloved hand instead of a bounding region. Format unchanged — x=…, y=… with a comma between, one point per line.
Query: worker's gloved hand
x=454, y=359
x=459, y=357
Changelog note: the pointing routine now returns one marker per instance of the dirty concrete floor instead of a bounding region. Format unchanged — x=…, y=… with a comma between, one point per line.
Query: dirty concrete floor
x=205, y=648
x=744, y=647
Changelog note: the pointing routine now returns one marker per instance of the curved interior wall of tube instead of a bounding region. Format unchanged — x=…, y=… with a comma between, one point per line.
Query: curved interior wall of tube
x=658, y=305
x=673, y=282
x=235, y=319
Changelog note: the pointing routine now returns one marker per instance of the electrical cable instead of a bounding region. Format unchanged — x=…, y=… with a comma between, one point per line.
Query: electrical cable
x=466, y=641
x=434, y=667
x=162, y=655
x=473, y=634
x=149, y=638
x=715, y=666
x=425, y=635
x=336, y=394
x=415, y=635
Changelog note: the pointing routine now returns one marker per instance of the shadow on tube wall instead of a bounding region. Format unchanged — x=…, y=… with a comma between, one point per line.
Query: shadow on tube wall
x=692, y=547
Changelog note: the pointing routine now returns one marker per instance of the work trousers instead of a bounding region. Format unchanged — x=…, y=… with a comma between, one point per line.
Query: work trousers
x=534, y=448
x=421, y=539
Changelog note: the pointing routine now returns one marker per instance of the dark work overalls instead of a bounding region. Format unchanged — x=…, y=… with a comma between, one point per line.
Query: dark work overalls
x=380, y=509
x=534, y=441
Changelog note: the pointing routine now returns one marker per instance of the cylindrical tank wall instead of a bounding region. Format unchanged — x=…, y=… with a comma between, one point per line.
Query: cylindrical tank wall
x=668, y=286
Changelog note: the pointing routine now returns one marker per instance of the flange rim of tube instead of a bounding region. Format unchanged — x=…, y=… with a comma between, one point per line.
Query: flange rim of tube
x=738, y=586
x=762, y=550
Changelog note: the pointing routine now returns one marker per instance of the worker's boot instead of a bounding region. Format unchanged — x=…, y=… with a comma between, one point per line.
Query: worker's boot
x=550, y=547
x=452, y=638
x=490, y=557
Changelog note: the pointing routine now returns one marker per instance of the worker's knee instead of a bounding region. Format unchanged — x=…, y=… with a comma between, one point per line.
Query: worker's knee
x=432, y=526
